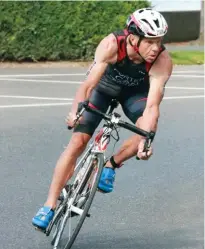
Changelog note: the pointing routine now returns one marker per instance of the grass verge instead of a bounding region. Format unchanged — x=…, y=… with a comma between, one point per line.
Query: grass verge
x=187, y=57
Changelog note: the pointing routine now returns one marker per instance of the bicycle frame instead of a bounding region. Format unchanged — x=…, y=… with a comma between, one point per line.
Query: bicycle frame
x=100, y=142
x=86, y=166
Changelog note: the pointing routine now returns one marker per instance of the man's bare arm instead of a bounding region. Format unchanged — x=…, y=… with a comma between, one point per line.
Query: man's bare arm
x=106, y=53
x=159, y=75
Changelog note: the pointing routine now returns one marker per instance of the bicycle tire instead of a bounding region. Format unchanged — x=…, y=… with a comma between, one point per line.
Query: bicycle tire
x=55, y=232
x=100, y=164
x=59, y=220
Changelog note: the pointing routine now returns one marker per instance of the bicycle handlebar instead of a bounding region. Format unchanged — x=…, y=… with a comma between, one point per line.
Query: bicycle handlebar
x=127, y=126
x=148, y=135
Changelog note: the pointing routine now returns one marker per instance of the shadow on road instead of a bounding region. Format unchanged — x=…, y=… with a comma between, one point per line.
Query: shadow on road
x=176, y=239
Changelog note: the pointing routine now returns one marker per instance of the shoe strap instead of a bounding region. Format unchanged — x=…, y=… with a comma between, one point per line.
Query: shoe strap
x=44, y=211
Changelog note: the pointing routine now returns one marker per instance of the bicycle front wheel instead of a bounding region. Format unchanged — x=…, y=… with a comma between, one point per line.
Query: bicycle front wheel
x=81, y=205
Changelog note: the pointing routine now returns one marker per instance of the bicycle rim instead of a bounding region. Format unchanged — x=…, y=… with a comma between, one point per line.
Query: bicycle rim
x=88, y=191
x=60, y=221
x=57, y=225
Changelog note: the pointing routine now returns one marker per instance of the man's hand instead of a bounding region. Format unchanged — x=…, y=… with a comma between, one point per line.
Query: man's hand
x=144, y=155
x=70, y=119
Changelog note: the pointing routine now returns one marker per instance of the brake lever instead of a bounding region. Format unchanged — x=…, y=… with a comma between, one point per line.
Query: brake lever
x=147, y=145
x=78, y=115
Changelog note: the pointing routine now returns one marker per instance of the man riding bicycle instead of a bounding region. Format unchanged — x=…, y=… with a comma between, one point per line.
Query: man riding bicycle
x=133, y=67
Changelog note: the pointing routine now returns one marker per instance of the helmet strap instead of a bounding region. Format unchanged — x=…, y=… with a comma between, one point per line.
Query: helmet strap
x=139, y=41
x=136, y=47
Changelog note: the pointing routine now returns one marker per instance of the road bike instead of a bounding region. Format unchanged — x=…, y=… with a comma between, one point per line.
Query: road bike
x=76, y=197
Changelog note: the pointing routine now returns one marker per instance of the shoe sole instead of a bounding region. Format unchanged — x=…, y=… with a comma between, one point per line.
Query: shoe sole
x=43, y=230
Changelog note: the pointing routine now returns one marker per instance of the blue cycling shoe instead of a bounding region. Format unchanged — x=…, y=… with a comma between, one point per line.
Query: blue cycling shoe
x=43, y=218
x=106, y=180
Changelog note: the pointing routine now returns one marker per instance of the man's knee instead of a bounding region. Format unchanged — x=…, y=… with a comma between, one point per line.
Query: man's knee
x=78, y=143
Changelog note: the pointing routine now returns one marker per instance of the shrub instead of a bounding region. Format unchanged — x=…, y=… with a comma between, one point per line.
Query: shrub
x=37, y=31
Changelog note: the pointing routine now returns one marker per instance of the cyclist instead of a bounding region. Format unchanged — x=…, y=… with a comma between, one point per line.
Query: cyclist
x=132, y=66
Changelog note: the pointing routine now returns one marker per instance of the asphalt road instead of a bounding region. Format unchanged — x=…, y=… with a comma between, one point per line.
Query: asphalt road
x=155, y=205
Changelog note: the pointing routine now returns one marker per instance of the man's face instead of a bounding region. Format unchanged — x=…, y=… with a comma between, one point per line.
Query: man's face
x=149, y=48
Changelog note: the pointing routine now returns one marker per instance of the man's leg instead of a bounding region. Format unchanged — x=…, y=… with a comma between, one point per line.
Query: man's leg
x=133, y=106
x=63, y=171
x=127, y=150
x=65, y=166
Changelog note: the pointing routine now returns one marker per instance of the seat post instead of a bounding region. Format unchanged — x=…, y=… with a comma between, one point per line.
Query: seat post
x=114, y=103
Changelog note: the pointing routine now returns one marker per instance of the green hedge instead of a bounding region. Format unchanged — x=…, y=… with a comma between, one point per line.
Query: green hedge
x=36, y=31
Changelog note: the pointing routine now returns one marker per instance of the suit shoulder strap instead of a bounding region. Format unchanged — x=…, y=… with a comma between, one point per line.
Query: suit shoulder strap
x=121, y=43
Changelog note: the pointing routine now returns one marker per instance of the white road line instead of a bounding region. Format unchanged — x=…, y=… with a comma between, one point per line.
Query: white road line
x=185, y=97
x=71, y=99
x=187, y=88
x=41, y=75
x=70, y=103
x=43, y=81
x=35, y=105
x=187, y=76
x=75, y=74
x=188, y=71
x=79, y=82
x=33, y=97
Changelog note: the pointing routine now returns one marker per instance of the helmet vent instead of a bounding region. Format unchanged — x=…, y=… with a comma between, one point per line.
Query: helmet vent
x=141, y=11
x=144, y=20
x=135, y=30
x=157, y=23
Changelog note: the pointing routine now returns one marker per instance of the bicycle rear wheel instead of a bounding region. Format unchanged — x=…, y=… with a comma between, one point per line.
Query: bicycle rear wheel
x=78, y=210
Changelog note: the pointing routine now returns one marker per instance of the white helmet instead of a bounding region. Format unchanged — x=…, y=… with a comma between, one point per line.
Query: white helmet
x=147, y=23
